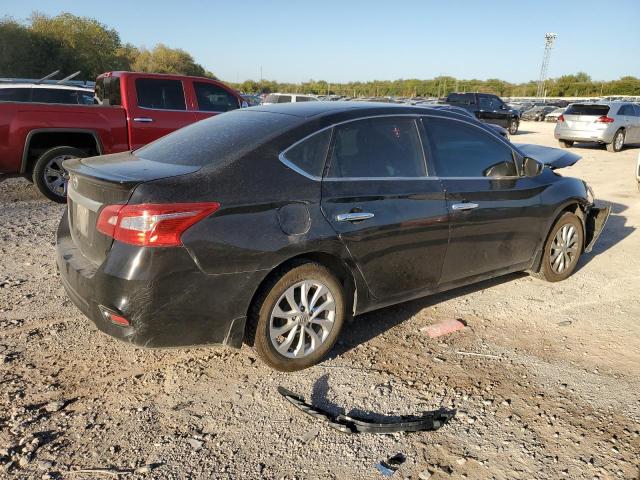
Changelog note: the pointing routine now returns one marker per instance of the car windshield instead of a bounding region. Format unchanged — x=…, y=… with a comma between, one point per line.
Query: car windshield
x=583, y=109
x=217, y=140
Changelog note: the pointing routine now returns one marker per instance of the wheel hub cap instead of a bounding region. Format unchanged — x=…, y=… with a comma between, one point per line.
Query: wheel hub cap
x=302, y=319
x=564, y=249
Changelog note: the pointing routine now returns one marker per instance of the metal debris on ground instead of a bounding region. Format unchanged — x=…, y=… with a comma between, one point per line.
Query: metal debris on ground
x=432, y=420
x=443, y=328
x=389, y=466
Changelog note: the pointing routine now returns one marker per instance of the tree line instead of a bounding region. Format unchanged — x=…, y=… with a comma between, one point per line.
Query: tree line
x=578, y=85
x=68, y=43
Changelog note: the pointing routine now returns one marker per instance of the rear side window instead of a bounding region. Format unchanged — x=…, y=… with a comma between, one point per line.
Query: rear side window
x=626, y=110
x=377, y=148
x=218, y=140
x=213, y=98
x=14, y=94
x=53, y=95
x=582, y=109
x=160, y=94
x=310, y=154
x=462, y=150
x=284, y=98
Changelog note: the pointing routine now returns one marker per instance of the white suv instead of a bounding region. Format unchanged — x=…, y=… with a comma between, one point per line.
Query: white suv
x=45, y=93
x=288, y=98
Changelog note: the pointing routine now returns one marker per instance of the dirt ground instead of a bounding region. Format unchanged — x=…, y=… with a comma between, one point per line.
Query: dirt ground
x=556, y=396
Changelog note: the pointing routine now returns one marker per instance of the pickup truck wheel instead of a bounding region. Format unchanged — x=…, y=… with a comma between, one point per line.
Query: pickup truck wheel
x=566, y=143
x=513, y=126
x=562, y=249
x=298, y=317
x=49, y=175
x=618, y=142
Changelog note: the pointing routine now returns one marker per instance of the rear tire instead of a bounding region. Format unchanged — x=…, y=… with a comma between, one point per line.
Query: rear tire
x=566, y=143
x=285, y=335
x=562, y=249
x=618, y=142
x=49, y=175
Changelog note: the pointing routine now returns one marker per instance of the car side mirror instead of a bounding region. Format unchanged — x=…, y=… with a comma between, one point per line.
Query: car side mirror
x=531, y=167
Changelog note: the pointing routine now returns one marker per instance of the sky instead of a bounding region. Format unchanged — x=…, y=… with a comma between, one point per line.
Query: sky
x=348, y=40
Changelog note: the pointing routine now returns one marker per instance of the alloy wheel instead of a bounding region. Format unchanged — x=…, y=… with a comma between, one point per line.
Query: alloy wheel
x=619, y=141
x=564, y=249
x=302, y=319
x=55, y=176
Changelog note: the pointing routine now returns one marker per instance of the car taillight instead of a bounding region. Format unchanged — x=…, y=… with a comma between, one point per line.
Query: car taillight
x=604, y=119
x=152, y=225
x=560, y=118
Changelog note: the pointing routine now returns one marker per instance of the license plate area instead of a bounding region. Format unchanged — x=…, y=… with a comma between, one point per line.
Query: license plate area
x=81, y=218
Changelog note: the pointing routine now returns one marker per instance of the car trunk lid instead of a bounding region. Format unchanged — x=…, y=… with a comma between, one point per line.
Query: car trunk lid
x=584, y=116
x=106, y=180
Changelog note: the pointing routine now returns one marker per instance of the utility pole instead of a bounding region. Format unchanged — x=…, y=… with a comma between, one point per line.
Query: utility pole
x=549, y=40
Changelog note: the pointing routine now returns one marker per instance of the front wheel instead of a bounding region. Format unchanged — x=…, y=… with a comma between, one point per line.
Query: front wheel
x=50, y=176
x=513, y=126
x=298, y=318
x=562, y=249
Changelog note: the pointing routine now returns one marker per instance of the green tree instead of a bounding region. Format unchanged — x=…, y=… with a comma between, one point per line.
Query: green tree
x=84, y=43
x=162, y=59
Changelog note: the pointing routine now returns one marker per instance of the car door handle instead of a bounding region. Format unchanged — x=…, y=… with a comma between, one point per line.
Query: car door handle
x=464, y=206
x=143, y=119
x=353, y=216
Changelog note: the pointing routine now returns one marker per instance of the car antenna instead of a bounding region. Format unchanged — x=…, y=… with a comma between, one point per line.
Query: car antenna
x=52, y=74
x=66, y=79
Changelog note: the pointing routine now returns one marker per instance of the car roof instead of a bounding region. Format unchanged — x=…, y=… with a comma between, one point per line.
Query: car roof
x=321, y=109
x=45, y=85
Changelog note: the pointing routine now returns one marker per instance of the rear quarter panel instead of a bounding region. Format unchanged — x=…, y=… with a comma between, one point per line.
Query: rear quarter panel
x=18, y=120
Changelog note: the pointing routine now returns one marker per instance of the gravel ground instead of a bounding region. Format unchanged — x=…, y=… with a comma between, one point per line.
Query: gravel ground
x=557, y=395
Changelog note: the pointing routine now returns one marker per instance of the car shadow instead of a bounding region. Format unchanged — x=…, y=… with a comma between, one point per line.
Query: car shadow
x=369, y=325
x=320, y=399
x=614, y=232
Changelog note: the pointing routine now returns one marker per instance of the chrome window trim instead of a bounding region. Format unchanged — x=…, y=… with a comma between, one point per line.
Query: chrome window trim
x=416, y=116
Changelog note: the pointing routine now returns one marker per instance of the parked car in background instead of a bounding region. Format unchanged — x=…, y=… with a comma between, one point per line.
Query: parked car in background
x=608, y=123
x=503, y=132
x=487, y=108
x=287, y=98
x=159, y=246
x=132, y=110
x=537, y=114
x=252, y=100
x=553, y=115
x=520, y=107
x=45, y=93
x=638, y=171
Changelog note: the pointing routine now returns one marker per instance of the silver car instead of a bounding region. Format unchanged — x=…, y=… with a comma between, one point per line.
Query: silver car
x=610, y=123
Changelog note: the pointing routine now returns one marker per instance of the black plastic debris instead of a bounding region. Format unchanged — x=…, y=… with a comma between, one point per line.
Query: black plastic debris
x=432, y=420
x=389, y=466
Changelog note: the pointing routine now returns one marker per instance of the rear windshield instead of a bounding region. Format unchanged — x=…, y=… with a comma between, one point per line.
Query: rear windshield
x=108, y=91
x=217, y=140
x=581, y=109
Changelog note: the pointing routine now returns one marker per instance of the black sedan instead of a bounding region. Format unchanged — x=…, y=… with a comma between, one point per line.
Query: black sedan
x=274, y=225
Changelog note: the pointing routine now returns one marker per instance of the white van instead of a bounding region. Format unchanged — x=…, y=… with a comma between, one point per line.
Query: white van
x=288, y=98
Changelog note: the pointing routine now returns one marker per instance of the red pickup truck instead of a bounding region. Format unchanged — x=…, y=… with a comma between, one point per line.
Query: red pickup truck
x=132, y=110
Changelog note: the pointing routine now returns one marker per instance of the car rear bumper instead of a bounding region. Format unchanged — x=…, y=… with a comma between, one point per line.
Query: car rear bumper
x=166, y=298
x=600, y=136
